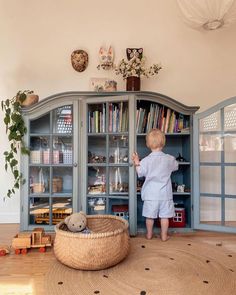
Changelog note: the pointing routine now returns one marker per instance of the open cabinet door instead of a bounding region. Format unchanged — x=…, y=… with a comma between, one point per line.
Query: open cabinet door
x=214, y=147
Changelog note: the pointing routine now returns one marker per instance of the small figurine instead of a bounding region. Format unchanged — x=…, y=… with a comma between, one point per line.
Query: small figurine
x=180, y=188
x=77, y=222
x=180, y=158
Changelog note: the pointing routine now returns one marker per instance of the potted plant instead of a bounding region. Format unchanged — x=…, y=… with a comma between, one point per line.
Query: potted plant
x=16, y=129
x=133, y=69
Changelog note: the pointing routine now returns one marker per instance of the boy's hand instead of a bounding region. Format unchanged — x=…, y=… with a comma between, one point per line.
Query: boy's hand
x=135, y=159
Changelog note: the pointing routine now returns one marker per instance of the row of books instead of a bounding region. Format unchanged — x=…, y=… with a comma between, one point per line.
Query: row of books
x=97, y=120
x=162, y=118
x=118, y=118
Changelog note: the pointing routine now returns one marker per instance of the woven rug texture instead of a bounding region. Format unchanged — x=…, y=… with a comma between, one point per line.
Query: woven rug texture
x=177, y=267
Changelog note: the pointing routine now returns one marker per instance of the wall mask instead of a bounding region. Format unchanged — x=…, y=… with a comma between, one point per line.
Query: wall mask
x=79, y=60
x=106, y=58
x=134, y=52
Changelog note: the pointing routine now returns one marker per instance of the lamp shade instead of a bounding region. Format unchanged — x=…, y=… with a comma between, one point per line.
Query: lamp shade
x=208, y=14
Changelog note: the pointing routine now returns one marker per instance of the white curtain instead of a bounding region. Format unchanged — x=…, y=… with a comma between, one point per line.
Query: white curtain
x=208, y=14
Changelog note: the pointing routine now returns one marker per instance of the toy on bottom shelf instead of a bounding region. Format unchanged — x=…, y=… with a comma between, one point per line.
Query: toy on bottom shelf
x=77, y=222
x=26, y=240
x=121, y=211
x=4, y=249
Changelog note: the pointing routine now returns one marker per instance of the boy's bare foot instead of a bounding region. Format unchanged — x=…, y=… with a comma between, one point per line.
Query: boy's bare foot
x=148, y=236
x=165, y=238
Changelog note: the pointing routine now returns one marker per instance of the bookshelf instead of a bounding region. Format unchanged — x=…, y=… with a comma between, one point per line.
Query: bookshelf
x=177, y=128
x=81, y=145
x=108, y=158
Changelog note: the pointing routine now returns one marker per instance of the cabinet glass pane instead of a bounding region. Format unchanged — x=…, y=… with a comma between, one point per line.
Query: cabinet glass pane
x=230, y=183
x=210, y=210
x=210, y=123
x=62, y=180
x=118, y=149
x=39, y=180
x=210, y=147
x=96, y=205
x=96, y=118
x=39, y=150
x=119, y=180
x=230, y=212
x=62, y=150
x=230, y=117
x=39, y=212
x=96, y=180
x=210, y=179
x=118, y=117
x=230, y=148
x=96, y=149
x=61, y=208
x=40, y=125
x=63, y=120
x=119, y=207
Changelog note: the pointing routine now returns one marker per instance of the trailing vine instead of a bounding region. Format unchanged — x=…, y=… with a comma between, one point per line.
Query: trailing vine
x=15, y=129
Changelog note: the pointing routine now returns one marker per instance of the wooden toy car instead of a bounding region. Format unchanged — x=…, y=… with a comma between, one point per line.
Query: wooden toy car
x=4, y=249
x=26, y=240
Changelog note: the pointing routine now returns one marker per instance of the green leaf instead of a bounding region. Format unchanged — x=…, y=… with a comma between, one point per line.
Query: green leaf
x=13, y=163
x=7, y=119
x=22, y=97
x=6, y=167
x=17, y=185
x=16, y=174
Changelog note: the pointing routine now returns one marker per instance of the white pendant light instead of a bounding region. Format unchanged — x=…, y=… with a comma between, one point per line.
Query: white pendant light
x=208, y=14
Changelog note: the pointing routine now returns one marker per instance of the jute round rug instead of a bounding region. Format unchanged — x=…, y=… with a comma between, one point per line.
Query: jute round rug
x=179, y=266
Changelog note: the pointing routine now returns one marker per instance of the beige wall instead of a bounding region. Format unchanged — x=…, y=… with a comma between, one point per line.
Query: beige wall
x=37, y=38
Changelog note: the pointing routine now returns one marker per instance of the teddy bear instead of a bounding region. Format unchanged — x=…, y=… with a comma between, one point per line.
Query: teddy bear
x=77, y=222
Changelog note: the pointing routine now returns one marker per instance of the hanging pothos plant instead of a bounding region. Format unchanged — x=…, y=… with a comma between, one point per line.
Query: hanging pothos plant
x=15, y=129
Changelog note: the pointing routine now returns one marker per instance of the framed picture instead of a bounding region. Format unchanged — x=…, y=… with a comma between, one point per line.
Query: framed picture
x=102, y=85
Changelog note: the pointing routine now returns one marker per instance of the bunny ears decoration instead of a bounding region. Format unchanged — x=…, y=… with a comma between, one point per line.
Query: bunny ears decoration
x=106, y=58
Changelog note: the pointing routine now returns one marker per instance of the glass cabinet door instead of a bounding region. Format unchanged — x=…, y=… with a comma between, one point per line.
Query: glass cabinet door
x=108, y=158
x=216, y=197
x=50, y=187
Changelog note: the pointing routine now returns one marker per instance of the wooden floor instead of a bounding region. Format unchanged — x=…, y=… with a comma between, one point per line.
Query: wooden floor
x=24, y=274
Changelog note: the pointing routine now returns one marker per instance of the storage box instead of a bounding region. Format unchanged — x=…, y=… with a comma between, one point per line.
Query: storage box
x=67, y=157
x=57, y=183
x=46, y=157
x=35, y=157
x=57, y=157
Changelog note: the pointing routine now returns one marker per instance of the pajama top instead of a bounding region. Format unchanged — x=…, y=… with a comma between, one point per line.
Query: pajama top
x=157, y=168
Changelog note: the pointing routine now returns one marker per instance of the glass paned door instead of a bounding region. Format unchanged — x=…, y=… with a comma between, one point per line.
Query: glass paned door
x=50, y=186
x=215, y=169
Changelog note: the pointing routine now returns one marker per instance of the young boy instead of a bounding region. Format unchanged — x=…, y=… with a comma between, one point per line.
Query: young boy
x=157, y=189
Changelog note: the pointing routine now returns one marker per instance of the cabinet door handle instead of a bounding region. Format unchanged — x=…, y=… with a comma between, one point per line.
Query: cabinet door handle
x=75, y=164
x=131, y=164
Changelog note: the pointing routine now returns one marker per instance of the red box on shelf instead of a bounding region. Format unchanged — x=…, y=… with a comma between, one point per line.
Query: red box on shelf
x=178, y=220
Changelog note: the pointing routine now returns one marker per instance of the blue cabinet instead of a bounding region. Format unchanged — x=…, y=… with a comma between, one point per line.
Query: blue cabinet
x=81, y=145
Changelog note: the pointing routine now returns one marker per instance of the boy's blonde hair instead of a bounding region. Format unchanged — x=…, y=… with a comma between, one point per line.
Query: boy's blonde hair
x=155, y=139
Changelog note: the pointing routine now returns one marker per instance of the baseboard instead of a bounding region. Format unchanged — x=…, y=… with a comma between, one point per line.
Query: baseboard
x=9, y=217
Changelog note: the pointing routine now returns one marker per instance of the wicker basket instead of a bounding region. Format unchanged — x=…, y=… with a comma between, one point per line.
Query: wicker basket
x=106, y=246
x=38, y=188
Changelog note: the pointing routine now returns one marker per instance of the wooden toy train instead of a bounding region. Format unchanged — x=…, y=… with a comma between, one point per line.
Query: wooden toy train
x=37, y=239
